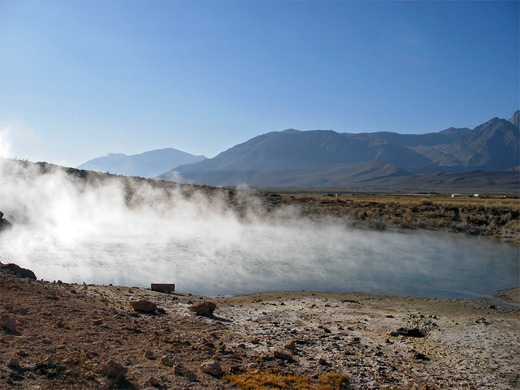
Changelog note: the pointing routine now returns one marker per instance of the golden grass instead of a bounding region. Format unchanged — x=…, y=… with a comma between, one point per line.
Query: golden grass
x=484, y=216
x=274, y=379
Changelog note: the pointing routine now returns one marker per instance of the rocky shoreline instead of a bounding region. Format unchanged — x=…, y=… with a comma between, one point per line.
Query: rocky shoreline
x=61, y=335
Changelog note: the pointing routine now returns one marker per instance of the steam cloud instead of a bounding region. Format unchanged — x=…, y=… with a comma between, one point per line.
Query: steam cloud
x=65, y=229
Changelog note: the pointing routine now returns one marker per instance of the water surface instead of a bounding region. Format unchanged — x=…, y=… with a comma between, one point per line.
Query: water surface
x=263, y=258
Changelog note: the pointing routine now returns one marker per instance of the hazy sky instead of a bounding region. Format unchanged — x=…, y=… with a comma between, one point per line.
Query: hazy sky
x=82, y=79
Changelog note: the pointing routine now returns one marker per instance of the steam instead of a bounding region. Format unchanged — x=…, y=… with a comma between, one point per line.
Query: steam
x=5, y=144
x=90, y=231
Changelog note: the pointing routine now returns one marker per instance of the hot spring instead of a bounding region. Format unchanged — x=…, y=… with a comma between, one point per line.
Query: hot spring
x=284, y=257
x=77, y=229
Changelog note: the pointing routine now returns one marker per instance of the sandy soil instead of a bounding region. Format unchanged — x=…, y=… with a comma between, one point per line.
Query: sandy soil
x=66, y=334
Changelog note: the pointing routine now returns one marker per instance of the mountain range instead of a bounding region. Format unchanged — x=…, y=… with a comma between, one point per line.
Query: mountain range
x=487, y=155
x=148, y=164
x=325, y=158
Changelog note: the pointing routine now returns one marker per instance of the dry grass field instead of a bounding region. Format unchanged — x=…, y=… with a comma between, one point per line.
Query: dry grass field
x=490, y=216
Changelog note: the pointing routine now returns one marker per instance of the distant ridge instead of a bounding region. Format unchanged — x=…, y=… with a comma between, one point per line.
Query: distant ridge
x=148, y=164
x=325, y=158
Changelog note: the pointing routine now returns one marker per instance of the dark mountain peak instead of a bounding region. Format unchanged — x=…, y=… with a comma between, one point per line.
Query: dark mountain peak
x=493, y=125
x=515, y=119
x=492, y=145
x=454, y=131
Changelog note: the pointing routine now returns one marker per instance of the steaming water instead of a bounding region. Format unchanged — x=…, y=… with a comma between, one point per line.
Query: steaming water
x=263, y=257
x=77, y=231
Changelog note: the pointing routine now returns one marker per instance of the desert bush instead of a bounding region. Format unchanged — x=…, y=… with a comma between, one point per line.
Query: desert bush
x=275, y=379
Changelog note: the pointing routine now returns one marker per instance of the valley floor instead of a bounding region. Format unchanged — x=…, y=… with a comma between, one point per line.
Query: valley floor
x=65, y=335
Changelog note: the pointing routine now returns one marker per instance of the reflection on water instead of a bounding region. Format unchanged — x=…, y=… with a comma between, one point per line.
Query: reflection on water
x=275, y=258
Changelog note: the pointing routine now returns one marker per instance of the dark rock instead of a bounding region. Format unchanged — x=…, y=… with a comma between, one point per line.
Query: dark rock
x=322, y=361
x=278, y=354
x=13, y=363
x=420, y=356
x=168, y=360
x=115, y=370
x=406, y=332
x=8, y=323
x=4, y=223
x=18, y=271
x=154, y=381
x=144, y=306
x=179, y=369
x=204, y=308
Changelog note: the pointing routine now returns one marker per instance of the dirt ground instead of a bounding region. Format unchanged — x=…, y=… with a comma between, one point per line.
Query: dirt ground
x=70, y=336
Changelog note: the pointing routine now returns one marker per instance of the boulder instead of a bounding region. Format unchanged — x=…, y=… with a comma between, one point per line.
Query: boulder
x=18, y=271
x=144, y=306
x=205, y=308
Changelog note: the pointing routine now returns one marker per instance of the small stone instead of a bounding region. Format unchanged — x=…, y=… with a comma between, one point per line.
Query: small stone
x=114, y=370
x=278, y=354
x=149, y=355
x=290, y=345
x=211, y=367
x=189, y=375
x=91, y=355
x=13, y=363
x=322, y=361
x=255, y=340
x=153, y=381
x=168, y=360
x=408, y=332
x=60, y=366
x=252, y=365
x=97, y=321
x=8, y=323
x=144, y=306
x=179, y=369
x=420, y=356
x=203, y=308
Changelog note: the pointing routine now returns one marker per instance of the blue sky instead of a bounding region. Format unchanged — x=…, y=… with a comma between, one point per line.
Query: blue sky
x=82, y=79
